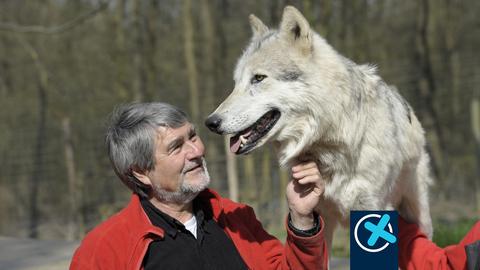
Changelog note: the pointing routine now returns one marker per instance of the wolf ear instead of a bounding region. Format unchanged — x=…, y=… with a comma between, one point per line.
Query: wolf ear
x=258, y=27
x=295, y=27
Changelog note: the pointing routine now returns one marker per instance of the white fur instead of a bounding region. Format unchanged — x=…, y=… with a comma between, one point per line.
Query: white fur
x=365, y=137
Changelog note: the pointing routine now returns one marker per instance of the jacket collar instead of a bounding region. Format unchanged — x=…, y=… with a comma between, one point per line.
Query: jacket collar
x=139, y=220
x=143, y=226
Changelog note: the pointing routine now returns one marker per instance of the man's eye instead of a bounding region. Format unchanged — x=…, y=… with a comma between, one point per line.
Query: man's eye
x=175, y=149
x=258, y=78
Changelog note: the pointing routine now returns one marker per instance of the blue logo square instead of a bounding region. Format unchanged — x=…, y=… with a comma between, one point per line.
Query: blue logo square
x=374, y=240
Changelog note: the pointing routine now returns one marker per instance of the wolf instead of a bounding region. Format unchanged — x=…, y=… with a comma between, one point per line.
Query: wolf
x=294, y=90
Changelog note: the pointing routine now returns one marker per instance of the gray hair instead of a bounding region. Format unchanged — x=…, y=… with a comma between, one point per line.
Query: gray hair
x=131, y=135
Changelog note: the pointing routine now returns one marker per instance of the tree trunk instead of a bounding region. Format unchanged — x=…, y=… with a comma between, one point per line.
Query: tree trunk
x=323, y=23
x=140, y=77
x=209, y=84
x=119, y=19
x=189, y=53
x=75, y=218
x=38, y=165
x=149, y=53
x=208, y=54
x=284, y=177
x=40, y=141
x=232, y=173
x=251, y=182
x=451, y=40
x=475, y=116
x=426, y=90
x=122, y=83
x=266, y=186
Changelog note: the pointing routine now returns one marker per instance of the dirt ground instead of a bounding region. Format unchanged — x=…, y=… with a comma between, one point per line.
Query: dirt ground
x=28, y=254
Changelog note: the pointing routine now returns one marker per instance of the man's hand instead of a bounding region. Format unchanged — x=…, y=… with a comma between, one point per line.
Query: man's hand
x=303, y=194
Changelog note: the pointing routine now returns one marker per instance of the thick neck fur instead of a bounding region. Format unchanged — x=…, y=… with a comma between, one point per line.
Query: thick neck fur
x=330, y=129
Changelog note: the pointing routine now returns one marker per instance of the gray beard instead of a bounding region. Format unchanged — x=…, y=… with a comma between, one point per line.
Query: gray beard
x=186, y=192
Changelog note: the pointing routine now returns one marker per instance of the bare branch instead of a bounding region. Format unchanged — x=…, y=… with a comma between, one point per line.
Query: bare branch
x=39, y=29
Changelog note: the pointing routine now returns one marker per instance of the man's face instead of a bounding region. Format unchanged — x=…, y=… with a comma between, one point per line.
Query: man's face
x=180, y=171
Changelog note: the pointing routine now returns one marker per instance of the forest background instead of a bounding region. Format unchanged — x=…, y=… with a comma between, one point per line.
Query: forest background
x=64, y=66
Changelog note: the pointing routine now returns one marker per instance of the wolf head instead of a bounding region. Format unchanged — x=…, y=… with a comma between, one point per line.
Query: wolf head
x=288, y=89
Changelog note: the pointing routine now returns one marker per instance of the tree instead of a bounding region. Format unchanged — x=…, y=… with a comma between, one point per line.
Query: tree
x=189, y=50
x=427, y=88
x=41, y=138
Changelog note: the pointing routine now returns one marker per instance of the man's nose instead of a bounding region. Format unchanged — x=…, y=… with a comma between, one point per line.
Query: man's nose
x=195, y=150
x=213, y=123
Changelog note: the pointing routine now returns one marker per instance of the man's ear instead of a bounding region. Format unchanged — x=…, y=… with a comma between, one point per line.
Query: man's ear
x=258, y=27
x=295, y=28
x=142, y=178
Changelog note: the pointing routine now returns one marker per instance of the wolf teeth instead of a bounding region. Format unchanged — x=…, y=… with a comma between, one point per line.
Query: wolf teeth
x=243, y=140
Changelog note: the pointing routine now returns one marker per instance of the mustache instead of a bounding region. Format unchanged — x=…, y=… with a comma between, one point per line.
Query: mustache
x=192, y=165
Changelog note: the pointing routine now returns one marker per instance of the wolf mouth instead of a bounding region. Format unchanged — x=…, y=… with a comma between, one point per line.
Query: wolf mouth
x=245, y=140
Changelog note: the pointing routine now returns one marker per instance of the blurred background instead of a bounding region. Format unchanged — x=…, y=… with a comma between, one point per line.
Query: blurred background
x=64, y=66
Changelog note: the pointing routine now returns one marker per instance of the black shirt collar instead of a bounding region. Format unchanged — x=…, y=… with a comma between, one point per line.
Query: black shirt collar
x=172, y=225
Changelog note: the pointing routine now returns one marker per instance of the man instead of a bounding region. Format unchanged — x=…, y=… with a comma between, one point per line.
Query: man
x=173, y=221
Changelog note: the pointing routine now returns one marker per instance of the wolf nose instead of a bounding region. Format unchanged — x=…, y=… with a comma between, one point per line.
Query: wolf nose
x=213, y=123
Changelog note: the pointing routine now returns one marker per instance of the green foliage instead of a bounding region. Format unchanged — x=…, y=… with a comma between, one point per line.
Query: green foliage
x=279, y=232
x=449, y=233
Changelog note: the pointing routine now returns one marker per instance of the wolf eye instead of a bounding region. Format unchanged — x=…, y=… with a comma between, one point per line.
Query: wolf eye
x=257, y=78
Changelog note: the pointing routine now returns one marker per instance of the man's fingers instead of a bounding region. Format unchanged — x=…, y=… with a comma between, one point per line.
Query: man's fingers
x=306, y=172
x=307, y=181
x=304, y=166
x=310, y=179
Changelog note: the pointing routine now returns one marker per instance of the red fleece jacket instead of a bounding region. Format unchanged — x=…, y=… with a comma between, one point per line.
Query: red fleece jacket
x=417, y=252
x=121, y=241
